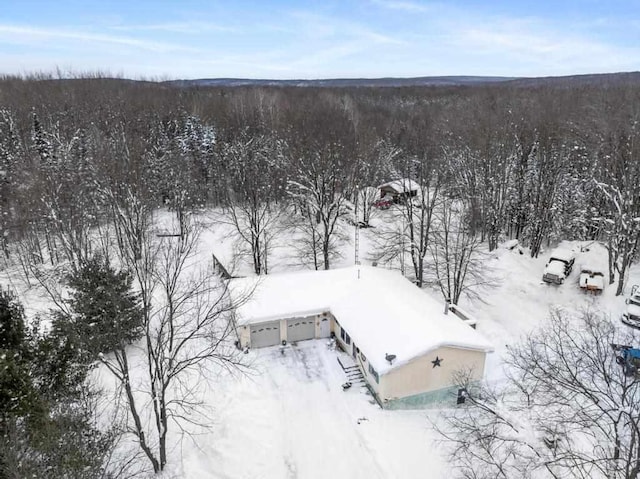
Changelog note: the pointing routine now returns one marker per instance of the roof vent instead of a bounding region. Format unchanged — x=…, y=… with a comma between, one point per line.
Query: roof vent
x=389, y=357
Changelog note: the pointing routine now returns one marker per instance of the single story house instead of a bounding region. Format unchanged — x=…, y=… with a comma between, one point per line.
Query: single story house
x=407, y=345
x=398, y=190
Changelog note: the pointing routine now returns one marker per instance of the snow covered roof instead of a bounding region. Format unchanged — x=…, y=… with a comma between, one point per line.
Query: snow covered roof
x=593, y=267
x=401, y=186
x=555, y=267
x=382, y=311
x=591, y=282
x=562, y=254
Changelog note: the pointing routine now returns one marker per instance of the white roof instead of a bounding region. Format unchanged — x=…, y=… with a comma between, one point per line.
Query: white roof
x=593, y=268
x=382, y=311
x=563, y=254
x=588, y=281
x=402, y=185
x=555, y=267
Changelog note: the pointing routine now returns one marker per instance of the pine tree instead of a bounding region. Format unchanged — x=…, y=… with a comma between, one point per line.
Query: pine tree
x=16, y=390
x=47, y=422
x=105, y=312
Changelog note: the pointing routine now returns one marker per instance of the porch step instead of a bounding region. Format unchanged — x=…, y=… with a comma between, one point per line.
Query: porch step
x=352, y=371
x=346, y=363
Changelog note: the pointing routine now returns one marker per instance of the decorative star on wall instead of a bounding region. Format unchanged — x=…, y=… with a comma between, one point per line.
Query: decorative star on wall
x=436, y=361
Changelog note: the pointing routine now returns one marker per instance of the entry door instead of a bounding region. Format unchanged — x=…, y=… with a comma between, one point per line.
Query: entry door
x=325, y=328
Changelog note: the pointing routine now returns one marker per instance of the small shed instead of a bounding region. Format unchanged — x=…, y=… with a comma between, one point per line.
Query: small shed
x=399, y=190
x=407, y=345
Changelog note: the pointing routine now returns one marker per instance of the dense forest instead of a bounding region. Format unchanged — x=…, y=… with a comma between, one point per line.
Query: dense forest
x=537, y=161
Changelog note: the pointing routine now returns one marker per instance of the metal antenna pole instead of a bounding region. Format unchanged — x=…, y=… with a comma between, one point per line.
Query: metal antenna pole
x=357, y=233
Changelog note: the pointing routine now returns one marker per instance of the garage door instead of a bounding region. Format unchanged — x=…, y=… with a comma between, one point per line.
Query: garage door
x=301, y=329
x=265, y=334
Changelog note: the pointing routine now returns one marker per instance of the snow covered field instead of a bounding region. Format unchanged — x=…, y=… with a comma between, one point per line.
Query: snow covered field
x=290, y=418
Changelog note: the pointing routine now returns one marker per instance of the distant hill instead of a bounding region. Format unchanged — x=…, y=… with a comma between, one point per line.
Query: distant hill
x=590, y=79
x=344, y=82
x=577, y=80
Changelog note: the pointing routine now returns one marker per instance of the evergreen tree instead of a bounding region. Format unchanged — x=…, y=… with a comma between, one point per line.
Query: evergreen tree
x=16, y=390
x=47, y=414
x=105, y=312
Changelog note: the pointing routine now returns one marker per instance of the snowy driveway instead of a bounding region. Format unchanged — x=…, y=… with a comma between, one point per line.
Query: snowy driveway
x=291, y=419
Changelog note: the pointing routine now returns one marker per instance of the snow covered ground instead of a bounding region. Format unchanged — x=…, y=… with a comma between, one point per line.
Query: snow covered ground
x=289, y=417
x=292, y=419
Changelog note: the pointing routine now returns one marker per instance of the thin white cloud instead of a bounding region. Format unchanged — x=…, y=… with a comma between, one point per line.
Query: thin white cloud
x=411, y=7
x=16, y=33
x=193, y=28
x=322, y=27
x=538, y=46
x=325, y=42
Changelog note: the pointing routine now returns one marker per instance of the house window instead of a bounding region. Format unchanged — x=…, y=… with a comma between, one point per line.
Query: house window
x=345, y=336
x=374, y=373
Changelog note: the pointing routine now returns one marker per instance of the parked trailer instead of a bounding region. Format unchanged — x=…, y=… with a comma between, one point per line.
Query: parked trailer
x=591, y=278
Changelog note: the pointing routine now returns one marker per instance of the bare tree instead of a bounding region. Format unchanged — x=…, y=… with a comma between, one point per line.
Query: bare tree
x=482, y=179
x=253, y=196
x=456, y=253
x=566, y=409
x=321, y=188
x=622, y=229
x=620, y=192
x=411, y=231
x=66, y=202
x=372, y=170
x=187, y=327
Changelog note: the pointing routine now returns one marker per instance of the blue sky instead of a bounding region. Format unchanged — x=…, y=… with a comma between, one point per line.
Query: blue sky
x=319, y=39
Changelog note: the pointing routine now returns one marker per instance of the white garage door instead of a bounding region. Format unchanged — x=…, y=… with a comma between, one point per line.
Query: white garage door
x=265, y=334
x=301, y=329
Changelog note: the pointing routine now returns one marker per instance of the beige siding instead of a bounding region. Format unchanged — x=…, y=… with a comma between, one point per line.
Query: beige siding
x=361, y=360
x=337, y=329
x=244, y=335
x=419, y=376
x=283, y=330
x=375, y=385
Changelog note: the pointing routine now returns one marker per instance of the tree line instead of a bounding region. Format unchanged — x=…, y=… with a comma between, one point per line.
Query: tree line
x=536, y=163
